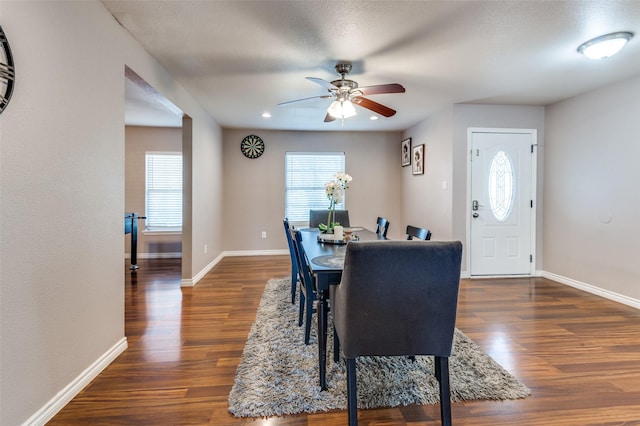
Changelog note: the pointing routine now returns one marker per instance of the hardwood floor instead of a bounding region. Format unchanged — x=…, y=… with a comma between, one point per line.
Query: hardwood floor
x=578, y=353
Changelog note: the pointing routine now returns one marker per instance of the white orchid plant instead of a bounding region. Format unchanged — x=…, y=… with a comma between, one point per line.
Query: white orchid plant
x=335, y=192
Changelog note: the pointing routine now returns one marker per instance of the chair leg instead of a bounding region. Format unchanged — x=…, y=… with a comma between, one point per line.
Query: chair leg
x=442, y=374
x=336, y=346
x=294, y=284
x=307, y=317
x=301, y=311
x=352, y=392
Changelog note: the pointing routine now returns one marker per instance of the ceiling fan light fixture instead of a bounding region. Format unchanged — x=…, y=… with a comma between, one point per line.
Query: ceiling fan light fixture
x=605, y=46
x=341, y=109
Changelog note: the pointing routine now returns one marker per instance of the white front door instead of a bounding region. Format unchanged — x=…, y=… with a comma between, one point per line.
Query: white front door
x=502, y=200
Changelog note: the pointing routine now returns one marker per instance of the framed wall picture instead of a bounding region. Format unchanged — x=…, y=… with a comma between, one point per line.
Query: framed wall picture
x=406, y=152
x=417, y=158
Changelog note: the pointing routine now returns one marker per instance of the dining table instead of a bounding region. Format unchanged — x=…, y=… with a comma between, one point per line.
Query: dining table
x=326, y=260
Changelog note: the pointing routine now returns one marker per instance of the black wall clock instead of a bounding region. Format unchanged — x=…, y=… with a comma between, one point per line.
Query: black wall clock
x=7, y=72
x=252, y=146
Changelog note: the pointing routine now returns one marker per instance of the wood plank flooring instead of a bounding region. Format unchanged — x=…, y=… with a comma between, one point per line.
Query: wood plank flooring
x=578, y=353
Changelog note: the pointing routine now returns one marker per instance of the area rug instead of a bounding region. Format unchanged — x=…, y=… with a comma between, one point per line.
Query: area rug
x=278, y=373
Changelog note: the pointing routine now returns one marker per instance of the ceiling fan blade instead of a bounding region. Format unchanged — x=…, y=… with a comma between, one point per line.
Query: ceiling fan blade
x=329, y=118
x=374, y=106
x=304, y=99
x=382, y=88
x=323, y=83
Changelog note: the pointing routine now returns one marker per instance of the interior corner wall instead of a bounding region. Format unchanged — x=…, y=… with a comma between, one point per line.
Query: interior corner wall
x=427, y=198
x=207, y=203
x=493, y=116
x=62, y=156
x=592, y=192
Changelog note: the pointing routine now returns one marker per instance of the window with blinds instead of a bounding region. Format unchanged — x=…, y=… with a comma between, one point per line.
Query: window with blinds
x=305, y=177
x=163, y=191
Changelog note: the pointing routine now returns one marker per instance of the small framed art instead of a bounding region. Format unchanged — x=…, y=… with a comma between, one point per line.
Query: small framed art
x=417, y=158
x=406, y=152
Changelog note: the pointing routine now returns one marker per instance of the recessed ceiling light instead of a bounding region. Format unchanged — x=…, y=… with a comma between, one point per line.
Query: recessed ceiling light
x=605, y=46
x=373, y=117
x=266, y=115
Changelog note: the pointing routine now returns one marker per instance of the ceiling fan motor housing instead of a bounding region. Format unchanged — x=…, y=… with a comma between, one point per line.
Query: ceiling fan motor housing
x=343, y=69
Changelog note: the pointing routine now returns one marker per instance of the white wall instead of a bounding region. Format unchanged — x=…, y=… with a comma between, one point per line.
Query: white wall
x=254, y=188
x=592, y=189
x=62, y=198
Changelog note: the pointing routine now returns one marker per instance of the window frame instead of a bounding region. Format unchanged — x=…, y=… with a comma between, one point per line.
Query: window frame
x=320, y=175
x=167, y=225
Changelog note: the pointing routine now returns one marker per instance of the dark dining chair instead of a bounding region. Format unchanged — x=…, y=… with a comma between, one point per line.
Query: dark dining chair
x=382, y=226
x=294, y=262
x=308, y=293
x=419, y=233
x=316, y=217
x=398, y=298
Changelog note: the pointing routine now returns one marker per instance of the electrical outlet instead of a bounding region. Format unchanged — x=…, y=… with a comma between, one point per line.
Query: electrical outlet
x=205, y=249
x=264, y=234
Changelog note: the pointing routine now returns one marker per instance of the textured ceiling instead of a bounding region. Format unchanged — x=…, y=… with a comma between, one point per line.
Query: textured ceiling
x=242, y=58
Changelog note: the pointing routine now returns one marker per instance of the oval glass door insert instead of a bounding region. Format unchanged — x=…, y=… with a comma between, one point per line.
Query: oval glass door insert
x=501, y=186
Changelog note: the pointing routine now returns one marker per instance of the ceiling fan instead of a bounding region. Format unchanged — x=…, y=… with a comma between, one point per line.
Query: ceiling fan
x=345, y=93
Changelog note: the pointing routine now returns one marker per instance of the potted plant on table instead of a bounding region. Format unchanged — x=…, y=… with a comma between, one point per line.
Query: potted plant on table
x=335, y=192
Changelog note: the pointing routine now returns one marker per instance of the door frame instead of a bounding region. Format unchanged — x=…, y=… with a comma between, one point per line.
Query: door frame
x=534, y=195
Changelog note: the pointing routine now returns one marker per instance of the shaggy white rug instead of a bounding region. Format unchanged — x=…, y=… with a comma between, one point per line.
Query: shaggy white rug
x=278, y=373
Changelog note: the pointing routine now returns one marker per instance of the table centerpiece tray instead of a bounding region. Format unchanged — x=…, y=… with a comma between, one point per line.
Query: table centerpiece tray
x=330, y=239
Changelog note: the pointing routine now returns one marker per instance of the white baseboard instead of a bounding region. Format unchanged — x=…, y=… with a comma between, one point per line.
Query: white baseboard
x=465, y=274
x=190, y=282
x=193, y=281
x=616, y=297
x=51, y=408
x=256, y=253
x=170, y=255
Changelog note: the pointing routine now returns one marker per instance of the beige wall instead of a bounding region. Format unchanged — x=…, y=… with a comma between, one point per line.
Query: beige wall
x=592, y=189
x=138, y=141
x=254, y=188
x=444, y=211
x=62, y=168
x=425, y=203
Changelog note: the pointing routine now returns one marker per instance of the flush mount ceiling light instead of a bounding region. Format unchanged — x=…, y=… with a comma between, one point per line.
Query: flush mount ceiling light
x=605, y=46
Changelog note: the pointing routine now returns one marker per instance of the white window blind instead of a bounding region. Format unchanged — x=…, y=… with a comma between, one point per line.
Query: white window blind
x=305, y=177
x=163, y=191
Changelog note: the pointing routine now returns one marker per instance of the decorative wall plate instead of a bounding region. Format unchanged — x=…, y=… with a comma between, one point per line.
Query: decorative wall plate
x=252, y=146
x=7, y=72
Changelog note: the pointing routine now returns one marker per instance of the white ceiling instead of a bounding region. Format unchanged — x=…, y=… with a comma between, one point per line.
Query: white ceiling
x=242, y=58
